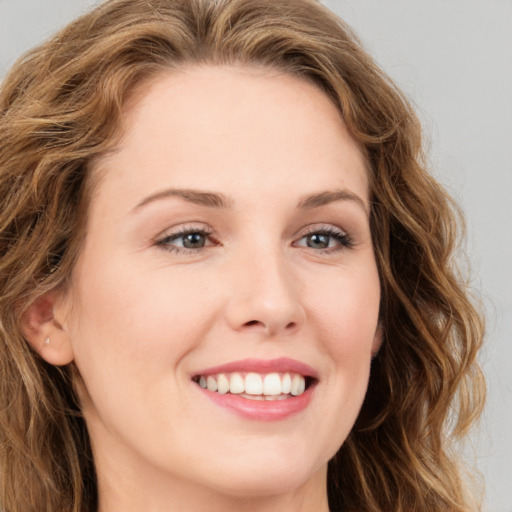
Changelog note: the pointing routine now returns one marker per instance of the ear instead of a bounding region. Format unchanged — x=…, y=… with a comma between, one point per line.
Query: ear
x=377, y=341
x=45, y=334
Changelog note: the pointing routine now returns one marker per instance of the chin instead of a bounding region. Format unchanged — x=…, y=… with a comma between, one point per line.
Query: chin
x=268, y=476
x=261, y=485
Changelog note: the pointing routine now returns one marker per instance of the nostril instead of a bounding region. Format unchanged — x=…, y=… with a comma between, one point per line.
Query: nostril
x=258, y=323
x=270, y=327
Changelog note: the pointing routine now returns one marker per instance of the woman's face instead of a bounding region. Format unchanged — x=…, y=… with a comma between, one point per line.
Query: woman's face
x=228, y=245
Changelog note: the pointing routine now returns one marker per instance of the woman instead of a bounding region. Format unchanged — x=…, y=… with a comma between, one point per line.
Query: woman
x=227, y=280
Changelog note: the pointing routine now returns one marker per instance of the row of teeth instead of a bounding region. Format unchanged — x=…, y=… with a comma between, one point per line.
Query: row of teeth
x=270, y=386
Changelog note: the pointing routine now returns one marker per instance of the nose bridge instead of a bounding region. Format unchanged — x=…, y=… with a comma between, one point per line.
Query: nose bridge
x=265, y=294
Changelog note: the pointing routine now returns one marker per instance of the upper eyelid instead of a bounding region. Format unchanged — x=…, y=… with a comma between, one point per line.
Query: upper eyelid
x=313, y=229
x=183, y=230
x=317, y=227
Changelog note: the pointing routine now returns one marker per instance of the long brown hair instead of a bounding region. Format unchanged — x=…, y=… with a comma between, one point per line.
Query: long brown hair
x=60, y=108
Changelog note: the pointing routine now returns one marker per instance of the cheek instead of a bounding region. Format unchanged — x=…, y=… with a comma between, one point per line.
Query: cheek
x=346, y=321
x=130, y=345
x=347, y=312
x=137, y=326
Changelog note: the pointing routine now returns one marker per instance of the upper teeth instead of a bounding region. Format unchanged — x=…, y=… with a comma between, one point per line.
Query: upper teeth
x=270, y=384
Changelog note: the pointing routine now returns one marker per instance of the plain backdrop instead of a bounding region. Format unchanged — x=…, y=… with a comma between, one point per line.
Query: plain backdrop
x=453, y=58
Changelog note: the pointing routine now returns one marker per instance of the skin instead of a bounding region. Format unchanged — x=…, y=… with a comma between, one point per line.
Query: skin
x=143, y=314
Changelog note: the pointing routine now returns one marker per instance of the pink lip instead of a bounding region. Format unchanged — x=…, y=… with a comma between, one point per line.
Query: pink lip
x=282, y=364
x=260, y=410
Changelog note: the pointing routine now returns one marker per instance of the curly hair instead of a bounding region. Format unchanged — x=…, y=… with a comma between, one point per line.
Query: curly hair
x=61, y=107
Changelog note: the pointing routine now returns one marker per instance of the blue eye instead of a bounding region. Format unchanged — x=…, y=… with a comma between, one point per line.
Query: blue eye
x=319, y=241
x=193, y=240
x=190, y=239
x=325, y=239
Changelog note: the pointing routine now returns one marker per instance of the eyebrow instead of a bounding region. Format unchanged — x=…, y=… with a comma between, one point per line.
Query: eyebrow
x=330, y=196
x=217, y=200
x=202, y=198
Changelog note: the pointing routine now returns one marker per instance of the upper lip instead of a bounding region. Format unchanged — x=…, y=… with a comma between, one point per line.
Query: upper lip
x=281, y=364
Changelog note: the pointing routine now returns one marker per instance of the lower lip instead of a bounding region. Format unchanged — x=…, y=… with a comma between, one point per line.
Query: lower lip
x=261, y=410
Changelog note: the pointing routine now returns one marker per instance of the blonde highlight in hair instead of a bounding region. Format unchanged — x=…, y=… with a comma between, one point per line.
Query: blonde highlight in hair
x=61, y=108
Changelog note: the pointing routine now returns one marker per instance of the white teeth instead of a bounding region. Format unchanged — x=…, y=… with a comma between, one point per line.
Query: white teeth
x=286, y=384
x=298, y=385
x=236, y=384
x=211, y=383
x=222, y=384
x=270, y=386
x=253, y=384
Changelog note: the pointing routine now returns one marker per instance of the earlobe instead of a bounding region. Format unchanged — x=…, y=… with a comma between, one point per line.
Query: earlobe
x=377, y=341
x=44, y=333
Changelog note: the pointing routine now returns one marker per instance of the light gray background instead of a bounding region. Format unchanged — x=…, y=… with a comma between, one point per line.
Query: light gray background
x=453, y=58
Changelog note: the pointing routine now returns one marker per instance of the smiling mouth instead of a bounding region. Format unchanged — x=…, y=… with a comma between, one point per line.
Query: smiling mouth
x=256, y=386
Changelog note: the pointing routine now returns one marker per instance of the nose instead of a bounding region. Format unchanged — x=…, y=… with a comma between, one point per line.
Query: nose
x=265, y=296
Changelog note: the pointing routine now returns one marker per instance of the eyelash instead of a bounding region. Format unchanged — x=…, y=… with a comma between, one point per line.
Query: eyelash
x=344, y=240
x=164, y=242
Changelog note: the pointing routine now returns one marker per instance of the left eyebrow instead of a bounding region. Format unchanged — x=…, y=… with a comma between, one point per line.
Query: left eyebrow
x=202, y=198
x=330, y=196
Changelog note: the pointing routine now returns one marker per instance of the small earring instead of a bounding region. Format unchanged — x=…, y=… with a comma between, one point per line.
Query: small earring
x=47, y=341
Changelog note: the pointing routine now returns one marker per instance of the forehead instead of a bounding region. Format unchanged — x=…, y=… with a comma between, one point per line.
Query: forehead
x=218, y=126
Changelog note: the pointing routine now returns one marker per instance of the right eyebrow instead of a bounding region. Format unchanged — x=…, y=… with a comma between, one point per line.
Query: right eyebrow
x=330, y=196
x=200, y=197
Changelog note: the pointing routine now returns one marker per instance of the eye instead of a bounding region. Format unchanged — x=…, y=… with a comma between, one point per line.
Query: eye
x=192, y=240
x=330, y=239
x=187, y=239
